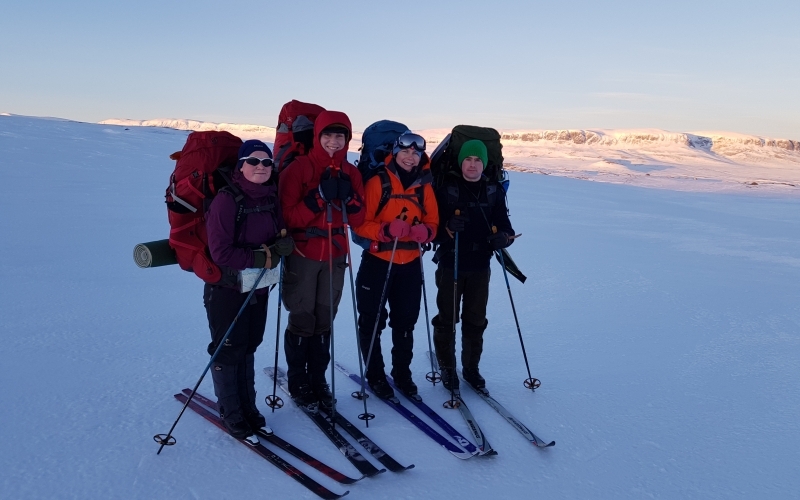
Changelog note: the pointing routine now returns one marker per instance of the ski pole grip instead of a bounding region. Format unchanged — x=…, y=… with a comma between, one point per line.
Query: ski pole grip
x=494, y=229
x=458, y=212
x=283, y=233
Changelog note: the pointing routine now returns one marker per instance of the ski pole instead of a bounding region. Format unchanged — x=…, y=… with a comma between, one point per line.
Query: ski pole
x=356, y=394
x=330, y=296
x=167, y=439
x=273, y=400
x=453, y=402
x=434, y=375
x=530, y=383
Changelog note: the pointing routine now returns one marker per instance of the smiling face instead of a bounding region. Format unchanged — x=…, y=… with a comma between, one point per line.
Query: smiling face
x=332, y=142
x=257, y=174
x=472, y=168
x=408, y=158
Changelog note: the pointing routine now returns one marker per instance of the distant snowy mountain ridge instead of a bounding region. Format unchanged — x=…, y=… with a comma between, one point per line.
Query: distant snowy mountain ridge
x=241, y=130
x=695, y=161
x=619, y=137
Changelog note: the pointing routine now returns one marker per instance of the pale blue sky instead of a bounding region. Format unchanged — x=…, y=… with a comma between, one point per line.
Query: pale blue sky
x=676, y=65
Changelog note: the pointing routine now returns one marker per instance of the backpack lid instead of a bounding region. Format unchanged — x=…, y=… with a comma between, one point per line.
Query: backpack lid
x=445, y=157
x=376, y=143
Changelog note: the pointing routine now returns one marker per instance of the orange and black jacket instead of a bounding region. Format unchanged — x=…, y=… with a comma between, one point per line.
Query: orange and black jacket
x=417, y=203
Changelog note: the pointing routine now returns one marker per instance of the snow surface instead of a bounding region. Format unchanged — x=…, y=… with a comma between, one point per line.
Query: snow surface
x=664, y=325
x=697, y=162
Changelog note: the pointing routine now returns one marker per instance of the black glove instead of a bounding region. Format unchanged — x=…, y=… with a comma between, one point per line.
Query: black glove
x=353, y=206
x=275, y=260
x=457, y=223
x=328, y=186
x=499, y=240
x=283, y=246
x=314, y=201
x=345, y=187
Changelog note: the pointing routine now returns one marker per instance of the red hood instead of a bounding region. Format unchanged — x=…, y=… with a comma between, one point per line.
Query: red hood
x=325, y=119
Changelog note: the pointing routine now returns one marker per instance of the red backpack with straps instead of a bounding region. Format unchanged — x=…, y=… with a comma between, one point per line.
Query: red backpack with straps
x=202, y=169
x=294, y=134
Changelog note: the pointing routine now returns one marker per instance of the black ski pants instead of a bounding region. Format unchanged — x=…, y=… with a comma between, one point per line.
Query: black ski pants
x=473, y=288
x=403, y=294
x=222, y=304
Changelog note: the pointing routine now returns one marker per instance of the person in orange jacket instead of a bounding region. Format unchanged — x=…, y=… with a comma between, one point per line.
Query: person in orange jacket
x=404, y=220
x=315, y=190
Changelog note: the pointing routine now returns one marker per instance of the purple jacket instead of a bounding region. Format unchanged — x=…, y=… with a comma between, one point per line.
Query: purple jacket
x=257, y=227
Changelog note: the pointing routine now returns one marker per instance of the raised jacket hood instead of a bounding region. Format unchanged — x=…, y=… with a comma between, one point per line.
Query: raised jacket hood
x=319, y=155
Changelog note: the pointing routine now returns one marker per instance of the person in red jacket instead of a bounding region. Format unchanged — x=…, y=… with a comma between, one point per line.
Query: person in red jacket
x=318, y=192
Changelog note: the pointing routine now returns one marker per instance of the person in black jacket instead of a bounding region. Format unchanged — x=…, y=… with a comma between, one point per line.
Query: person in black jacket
x=473, y=207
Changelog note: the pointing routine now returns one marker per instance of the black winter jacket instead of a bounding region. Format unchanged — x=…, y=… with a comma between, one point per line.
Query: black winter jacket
x=475, y=251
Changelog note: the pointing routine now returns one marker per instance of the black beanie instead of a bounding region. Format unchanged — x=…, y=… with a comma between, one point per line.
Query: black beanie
x=249, y=146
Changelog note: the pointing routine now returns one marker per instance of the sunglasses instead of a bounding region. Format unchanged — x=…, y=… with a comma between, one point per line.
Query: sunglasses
x=252, y=160
x=415, y=141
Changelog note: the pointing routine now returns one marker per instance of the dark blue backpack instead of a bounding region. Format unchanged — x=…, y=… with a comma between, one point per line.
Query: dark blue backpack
x=377, y=142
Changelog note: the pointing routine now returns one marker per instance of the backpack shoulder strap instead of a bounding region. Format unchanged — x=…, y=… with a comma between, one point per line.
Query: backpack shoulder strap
x=386, y=189
x=452, y=193
x=240, y=210
x=491, y=194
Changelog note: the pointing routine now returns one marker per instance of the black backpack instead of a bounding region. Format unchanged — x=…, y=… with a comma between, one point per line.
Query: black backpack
x=445, y=157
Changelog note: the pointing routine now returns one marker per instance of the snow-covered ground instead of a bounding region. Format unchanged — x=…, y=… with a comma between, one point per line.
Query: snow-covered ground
x=664, y=325
x=697, y=162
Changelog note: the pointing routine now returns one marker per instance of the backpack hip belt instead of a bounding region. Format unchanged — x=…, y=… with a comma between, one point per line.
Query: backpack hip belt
x=317, y=232
x=380, y=246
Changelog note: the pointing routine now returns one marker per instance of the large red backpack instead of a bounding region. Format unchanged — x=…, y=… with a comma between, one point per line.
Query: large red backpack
x=201, y=170
x=294, y=134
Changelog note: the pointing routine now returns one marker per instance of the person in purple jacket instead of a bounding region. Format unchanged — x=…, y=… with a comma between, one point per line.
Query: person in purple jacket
x=252, y=242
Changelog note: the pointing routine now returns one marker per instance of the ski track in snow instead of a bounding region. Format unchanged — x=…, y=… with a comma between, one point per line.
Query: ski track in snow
x=664, y=325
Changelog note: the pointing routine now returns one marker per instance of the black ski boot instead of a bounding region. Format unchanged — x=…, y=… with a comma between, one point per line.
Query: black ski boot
x=381, y=388
x=473, y=377
x=319, y=357
x=303, y=395
x=323, y=393
x=449, y=378
x=406, y=386
x=247, y=385
x=230, y=407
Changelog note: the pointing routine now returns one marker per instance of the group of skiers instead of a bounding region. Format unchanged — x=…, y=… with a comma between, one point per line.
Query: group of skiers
x=319, y=196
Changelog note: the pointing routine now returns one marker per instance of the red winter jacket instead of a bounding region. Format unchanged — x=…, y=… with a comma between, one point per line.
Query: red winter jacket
x=301, y=179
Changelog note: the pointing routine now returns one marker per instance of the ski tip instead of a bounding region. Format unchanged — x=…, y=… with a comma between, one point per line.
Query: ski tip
x=541, y=444
x=490, y=453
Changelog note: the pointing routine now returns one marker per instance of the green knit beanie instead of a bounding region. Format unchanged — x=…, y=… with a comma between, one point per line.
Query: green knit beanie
x=473, y=148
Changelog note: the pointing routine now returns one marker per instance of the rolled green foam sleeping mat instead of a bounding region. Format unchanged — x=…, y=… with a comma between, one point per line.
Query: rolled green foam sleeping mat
x=154, y=254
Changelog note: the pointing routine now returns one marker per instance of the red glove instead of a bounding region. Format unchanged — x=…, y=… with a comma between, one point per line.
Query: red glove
x=398, y=228
x=421, y=233
x=383, y=233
